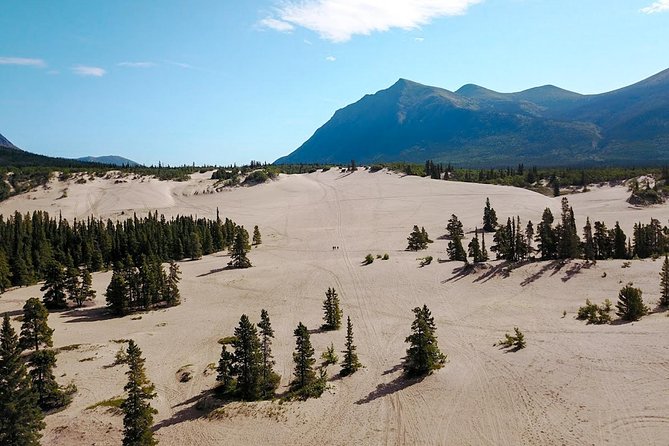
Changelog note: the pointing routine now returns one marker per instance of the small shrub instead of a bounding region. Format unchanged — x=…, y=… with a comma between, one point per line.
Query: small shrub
x=228, y=340
x=424, y=261
x=113, y=405
x=385, y=256
x=329, y=356
x=515, y=341
x=595, y=314
x=121, y=357
x=375, y=168
x=369, y=259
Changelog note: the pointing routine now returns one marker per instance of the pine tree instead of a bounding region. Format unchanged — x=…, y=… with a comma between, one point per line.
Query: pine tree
x=474, y=248
x=304, y=360
x=333, y=313
x=72, y=283
x=664, y=283
x=54, y=286
x=239, y=249
x=568, y=241
x=454, y=228
x=226, y=372
x=20, y=416
x=489, y=217
x=546, y=236
x=589, y=251
x=619, y=247
x=82, y=291
x=118, y=300
x=484, y=251
x=50, y=395
x=137, y=411
x=423, y=355
x=171, y=293
x=350, y=364
x=5, y=272
x=603, y=241
x=630, y=304
x=248, y=360
x=35, y=331
x=257, y=239
x=269, y=380
x=417, y=240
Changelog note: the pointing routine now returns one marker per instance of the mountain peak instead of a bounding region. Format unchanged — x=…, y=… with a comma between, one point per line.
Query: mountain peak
x=4, y=142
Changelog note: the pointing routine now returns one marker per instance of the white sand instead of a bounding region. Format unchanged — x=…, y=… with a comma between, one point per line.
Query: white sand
x=573, y=384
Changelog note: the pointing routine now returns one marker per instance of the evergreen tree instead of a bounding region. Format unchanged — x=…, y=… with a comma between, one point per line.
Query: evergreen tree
x=35, y=331
x=86, y=292
x=269, y=380
x=20, y=416
x=118, y=300
x=196, y=246
x=423, y=355
x=257, y=239
x=568, y=241
x=603, y=241
x=248, y=360
x=137, y=411
x=171, y=293
x=454, y=228
x=529, y=236
x=239, y=249
x=630, y=304
x=304, y=360
x=455, y=232
x=226, y=371
x=489, y=217
x=50, y=395
x=475, y=248
x=54, y=286
x=589, y=250
x=417, y=240
x=72, y=283
x=546, y=236
x=619, y=247
x=664, y=283
x=333, y=313
x=350, y=364
x=5, y=273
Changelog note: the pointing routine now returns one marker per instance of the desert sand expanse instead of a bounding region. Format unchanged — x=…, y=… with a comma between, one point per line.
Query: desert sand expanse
x=574, y=384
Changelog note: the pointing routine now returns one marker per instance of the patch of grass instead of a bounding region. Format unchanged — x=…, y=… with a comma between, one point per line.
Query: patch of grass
x=67, y=348
x=369, y=259
x=90, y=358
x=227, y=340
x=113, y=405
x=119, y=341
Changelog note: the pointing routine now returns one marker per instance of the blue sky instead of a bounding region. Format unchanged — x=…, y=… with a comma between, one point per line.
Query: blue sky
x=223, y=81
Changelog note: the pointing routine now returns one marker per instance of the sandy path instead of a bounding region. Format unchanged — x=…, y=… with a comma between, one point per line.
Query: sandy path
x=573, y=384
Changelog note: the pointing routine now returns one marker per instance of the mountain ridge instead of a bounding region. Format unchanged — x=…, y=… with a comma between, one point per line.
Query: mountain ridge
x=476, y=126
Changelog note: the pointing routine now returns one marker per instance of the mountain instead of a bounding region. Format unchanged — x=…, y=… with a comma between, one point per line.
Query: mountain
x=475, y=126
x=4, y=142
x=110, y=159
x=12, y=156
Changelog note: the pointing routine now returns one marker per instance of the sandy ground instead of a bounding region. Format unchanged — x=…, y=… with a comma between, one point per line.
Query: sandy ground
x=574, y=384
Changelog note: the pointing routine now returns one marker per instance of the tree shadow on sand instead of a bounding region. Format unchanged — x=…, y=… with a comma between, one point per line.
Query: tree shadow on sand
x=93, y=314
x=384, y=389
x=191, y=410
x=489, y=272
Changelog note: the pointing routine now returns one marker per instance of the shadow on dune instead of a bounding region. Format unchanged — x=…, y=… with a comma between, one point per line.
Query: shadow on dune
x=188, y=411
x=384, y=389
x=87, y=314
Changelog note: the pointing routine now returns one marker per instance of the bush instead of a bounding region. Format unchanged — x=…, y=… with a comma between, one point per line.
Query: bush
x=369, y=259
x=595, y=314
x=630, y=304
x=256, y=177
x=375, y=168
x=385, y=256
x=515, y=341
x=425, y=261
x=329, y=356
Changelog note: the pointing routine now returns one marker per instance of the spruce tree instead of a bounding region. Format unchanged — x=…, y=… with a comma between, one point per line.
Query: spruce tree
x=50, y=395
x=171, y=293
x=454, y=228
x=589, y=250
x=333, y=313
x=489, y=217
x=546, y=236
x=118, y=300
x=619, y=247
x=195, y=246
x=664, y=283
x=423, y=355
x=54, y=286
x=630, y=304
x=226, y=372
x=239, y=249
x=137, y=411
x=83, y=290
x=474, y=248
x=269, y=380
x=20, y=416
x=257, y=239
x=72, y=283
x=35, y=331
x=5, y=272
x=350, y=364
x=568, y=242
x=304, y=360
x=417, y=240
x=248, y=360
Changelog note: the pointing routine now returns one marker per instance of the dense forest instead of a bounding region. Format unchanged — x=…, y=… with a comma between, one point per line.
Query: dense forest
x=31, y=243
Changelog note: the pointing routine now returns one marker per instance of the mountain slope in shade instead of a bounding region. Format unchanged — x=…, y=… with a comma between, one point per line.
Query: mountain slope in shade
x=4, y=142
x=12, y=156
x=109, y=159
x=480, y=127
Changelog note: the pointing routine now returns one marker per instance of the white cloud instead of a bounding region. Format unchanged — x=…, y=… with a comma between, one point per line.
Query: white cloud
x=276, y=25
x=180, y=64
x=658, y=6
x=136, y=64
x=330, y=58
x=419, y=39
x=22, y=61
x=339, y=20
x=83, y=70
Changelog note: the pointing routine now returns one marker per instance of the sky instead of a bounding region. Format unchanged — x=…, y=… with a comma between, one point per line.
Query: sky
x=216, y=82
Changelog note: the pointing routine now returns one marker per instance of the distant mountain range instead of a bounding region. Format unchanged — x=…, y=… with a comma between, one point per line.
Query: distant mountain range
x=109, y=159
x=10, y=155
x=478, y=127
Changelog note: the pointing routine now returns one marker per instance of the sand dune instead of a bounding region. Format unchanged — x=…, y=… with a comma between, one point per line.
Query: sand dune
x=573, y=384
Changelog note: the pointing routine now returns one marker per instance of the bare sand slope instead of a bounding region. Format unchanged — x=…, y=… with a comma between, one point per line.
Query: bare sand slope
x=574, y=384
